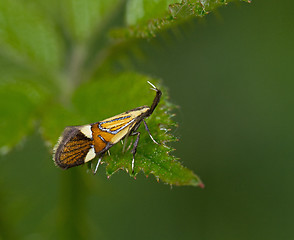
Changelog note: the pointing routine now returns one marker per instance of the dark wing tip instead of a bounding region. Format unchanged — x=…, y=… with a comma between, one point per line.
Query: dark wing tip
x=71, y=148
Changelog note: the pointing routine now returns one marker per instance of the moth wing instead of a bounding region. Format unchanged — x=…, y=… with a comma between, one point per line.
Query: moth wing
x=74, y=147
x=124, y=119
x=120, y=125
x=116, y=122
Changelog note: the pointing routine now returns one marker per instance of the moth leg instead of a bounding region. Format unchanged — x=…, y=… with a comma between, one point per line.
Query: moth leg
x=97, y=165
x=125, y=143
x=147, y=129
x=134, y=150
x=128, y=148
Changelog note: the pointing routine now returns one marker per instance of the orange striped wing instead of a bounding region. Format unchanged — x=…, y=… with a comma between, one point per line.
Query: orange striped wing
x=111, y=130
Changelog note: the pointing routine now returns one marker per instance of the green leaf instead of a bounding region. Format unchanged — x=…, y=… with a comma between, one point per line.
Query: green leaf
x=27, y=36
x=145, y=18
x=113, y=94
x=55, y=119
x=23, y=92
x=140, y=11
x=82, y=18
x=18, y=107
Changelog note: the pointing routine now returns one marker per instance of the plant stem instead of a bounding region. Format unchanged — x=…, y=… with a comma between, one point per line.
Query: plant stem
x=72, y=221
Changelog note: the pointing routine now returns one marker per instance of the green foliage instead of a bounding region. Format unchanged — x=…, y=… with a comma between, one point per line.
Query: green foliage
x=28, y=37
x=145, y=18
x=49, y=57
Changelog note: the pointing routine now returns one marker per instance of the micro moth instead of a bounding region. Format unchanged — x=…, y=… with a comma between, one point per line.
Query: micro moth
x=81, y=144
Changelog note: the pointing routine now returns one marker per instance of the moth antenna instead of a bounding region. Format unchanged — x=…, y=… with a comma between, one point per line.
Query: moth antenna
x=153, y=87
x=156, y=98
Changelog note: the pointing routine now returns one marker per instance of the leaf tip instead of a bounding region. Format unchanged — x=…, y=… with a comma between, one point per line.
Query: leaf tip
x=196, y=182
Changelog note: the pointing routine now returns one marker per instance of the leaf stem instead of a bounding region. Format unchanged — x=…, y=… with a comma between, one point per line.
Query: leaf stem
x=71, y=222
x=71, y=77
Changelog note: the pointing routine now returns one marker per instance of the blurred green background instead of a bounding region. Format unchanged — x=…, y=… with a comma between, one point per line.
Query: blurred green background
x=232, y=76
